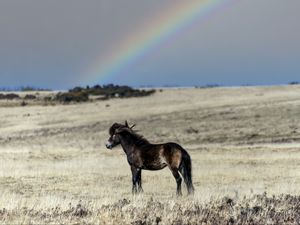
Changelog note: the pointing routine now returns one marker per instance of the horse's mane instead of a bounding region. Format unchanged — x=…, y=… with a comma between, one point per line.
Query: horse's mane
x=138, y=139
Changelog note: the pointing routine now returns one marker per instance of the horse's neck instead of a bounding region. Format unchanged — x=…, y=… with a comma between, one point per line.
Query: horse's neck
x=127, y=145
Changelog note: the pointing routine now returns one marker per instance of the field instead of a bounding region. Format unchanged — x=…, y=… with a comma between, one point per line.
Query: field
x=244, y=143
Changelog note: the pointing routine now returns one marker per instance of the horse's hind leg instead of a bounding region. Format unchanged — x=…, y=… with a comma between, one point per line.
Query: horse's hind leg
x=185, y=169
x=188, y=184
x=178, y=180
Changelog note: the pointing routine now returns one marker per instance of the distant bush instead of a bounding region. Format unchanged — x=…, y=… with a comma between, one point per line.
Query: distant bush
x=29, y=88
x=83, y=94
x=24, y=88
x=208, y=86
x=48, y=98
x=76, y=89
x=30, y=97
x=10, y=96
x=23, y=103
x=294, y=83
x=72, y=97
x=106, y=92
x=112, y=91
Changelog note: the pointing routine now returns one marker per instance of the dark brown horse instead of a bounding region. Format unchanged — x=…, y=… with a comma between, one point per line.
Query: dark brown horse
x=141, y=155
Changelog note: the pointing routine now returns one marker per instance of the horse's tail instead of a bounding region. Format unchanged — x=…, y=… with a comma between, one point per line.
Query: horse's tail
x=186, y=171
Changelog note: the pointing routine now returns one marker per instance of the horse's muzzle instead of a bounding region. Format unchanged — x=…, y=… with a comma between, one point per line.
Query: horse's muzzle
x=108, y=146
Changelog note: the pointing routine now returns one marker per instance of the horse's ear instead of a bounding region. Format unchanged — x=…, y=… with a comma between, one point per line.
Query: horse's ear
x=126, y=123
x=132, y=126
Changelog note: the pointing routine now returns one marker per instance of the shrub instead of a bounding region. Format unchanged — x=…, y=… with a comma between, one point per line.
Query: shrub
x=10, y=96
x=30, y=97
x=79, y=94
x=29, y=88
x=72, y=97
x=23, y=103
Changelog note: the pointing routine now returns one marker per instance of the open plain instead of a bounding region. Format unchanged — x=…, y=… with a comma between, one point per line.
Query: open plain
x=244, y=143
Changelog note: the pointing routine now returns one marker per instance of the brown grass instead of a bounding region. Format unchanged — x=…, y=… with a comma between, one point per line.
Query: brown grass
x=258, y=209
x=244, y=142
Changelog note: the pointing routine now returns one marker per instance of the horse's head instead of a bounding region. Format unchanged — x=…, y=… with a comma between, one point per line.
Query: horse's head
x=114, y=131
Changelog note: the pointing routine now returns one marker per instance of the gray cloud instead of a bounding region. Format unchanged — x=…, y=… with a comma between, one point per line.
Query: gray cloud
x=49, y=43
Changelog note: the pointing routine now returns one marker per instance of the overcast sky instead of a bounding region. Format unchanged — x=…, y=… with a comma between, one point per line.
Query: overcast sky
x=52, y=43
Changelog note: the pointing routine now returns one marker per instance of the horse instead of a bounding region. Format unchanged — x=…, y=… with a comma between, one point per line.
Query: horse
x=142, y=155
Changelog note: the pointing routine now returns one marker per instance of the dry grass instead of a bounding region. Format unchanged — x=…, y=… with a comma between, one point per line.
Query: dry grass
x=243, y=142
x=259, y=209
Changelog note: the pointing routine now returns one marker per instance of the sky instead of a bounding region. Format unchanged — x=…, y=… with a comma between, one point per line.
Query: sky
x=61, y=44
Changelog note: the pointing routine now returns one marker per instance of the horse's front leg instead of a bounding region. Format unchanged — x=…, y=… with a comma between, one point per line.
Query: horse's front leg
x=139, y=180
x=134, y=172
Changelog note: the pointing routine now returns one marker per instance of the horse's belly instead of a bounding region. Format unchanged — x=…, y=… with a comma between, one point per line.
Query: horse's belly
x=154, y=166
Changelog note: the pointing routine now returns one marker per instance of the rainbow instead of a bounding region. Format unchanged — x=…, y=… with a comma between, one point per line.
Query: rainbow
x=136, y=45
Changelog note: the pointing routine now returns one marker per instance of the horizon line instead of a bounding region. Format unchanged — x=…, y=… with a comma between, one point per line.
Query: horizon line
x=165, y=86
